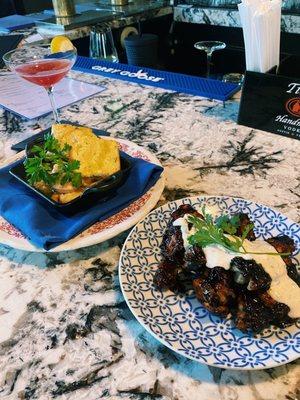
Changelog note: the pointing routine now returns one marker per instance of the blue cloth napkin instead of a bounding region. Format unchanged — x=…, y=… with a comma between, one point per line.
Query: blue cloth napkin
x=45, y=226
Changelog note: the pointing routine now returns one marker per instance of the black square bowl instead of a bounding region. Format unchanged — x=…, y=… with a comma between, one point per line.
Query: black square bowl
x=99, y=191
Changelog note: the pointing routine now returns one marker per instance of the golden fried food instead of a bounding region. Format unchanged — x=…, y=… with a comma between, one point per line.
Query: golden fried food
x=98, y=157
x=66, y=197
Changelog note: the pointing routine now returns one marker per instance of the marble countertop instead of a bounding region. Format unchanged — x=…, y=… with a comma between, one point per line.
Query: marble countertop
x=287, y=5
x=226, y=17
x=65, y=330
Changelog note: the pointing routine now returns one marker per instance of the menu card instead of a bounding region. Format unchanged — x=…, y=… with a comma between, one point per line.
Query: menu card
x=13, y=22
x=15, y=94
x=16, y=22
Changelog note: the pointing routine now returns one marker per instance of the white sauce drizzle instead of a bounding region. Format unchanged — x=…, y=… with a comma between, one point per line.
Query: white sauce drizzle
x=283, y=289
x=185, y=231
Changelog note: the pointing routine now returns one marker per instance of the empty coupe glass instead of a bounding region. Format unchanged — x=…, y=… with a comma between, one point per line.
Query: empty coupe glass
x=209, y=47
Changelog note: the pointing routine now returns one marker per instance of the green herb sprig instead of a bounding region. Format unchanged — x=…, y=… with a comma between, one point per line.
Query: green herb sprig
x=209, y=232
x=50, y=163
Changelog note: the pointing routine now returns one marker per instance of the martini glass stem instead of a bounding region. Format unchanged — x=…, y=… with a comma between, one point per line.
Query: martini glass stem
x=49, y=90
x=208, y=59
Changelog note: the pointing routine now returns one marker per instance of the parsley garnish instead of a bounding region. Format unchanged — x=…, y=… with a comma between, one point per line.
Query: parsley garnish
x=221, y=232
x=228, y=224
x=50, y=164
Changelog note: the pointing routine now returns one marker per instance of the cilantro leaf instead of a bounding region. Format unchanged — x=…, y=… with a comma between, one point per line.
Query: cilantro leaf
x=209, y=233
x=221, y=232
x=50, y=163
x=228, y=224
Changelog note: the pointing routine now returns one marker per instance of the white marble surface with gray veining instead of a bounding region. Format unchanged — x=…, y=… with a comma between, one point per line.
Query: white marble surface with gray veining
x=65, y=330
x=226, y=17
x=287, y=5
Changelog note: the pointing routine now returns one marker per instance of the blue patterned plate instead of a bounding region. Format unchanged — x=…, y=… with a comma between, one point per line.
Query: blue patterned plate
x=179, y=321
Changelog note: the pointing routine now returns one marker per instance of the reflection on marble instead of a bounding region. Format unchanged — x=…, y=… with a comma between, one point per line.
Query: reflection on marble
x=226, y=17
x=65, y=330
x=132, y=17
x=115, y=22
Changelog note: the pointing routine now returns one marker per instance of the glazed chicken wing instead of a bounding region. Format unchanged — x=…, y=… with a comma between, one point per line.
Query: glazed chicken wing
x=214, y=290
x=240, y=290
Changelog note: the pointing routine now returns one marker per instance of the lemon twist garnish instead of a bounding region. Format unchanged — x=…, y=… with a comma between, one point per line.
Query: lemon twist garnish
x=61, y=44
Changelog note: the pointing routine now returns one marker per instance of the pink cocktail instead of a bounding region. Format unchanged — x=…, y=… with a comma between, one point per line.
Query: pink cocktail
x=45, y=73
x=38, y=65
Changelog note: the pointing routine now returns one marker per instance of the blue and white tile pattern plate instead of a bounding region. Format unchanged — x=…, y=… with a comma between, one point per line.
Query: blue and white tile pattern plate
x=179, y=321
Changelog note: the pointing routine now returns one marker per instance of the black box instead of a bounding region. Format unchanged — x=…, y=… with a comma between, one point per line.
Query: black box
x=271, y=101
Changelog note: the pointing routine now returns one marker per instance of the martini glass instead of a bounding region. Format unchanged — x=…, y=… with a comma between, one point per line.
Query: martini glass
x=38, y=65
x=209, y=47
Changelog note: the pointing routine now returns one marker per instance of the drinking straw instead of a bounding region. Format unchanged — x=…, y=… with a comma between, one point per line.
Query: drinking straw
x=261, y=22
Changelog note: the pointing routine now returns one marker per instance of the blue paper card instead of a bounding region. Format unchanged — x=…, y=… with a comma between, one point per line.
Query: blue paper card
x=14, y=22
